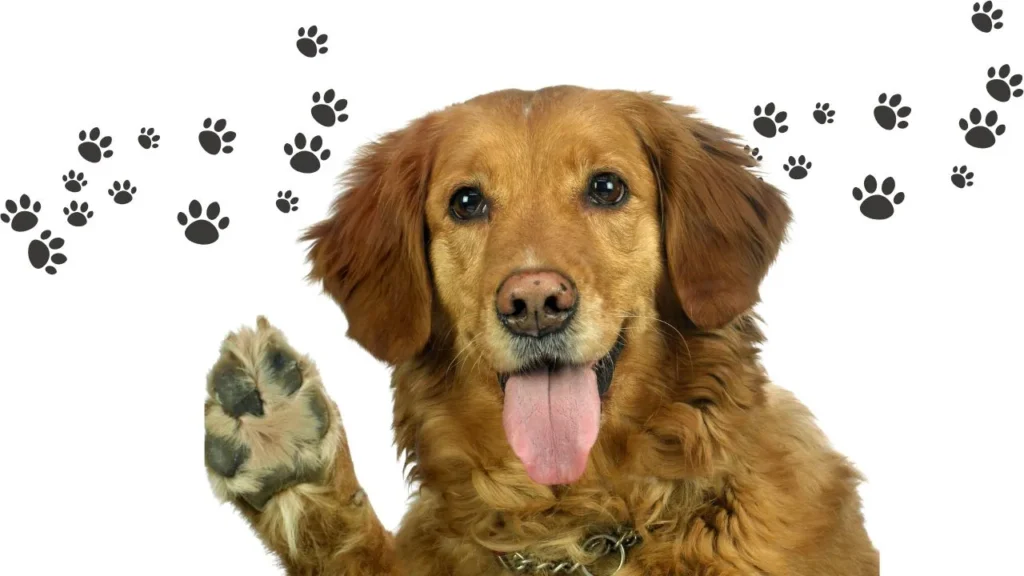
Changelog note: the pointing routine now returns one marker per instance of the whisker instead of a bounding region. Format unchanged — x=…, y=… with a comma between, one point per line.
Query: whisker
x=461, y=352
x=682, y=338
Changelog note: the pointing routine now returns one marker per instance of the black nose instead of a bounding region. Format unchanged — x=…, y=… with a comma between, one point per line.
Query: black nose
x=536, y=303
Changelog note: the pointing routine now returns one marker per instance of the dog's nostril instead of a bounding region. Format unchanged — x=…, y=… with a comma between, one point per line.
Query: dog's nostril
x=518, y=307
x=551, y=305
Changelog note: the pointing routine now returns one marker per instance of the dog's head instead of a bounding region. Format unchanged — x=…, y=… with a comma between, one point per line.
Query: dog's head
x=535, y=232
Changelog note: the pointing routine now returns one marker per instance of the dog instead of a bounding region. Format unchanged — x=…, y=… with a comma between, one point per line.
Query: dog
x=562, y=281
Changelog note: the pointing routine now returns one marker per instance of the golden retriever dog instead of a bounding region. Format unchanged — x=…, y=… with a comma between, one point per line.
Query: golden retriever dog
x=562, y=281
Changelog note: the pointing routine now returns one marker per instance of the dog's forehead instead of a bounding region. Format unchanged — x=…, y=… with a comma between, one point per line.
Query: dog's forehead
x=513, y=128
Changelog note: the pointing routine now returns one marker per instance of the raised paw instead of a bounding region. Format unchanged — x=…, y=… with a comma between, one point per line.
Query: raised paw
x=269, y=423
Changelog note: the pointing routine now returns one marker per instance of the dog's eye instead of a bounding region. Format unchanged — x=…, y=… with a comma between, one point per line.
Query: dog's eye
x=607, y=189
x=468, y=203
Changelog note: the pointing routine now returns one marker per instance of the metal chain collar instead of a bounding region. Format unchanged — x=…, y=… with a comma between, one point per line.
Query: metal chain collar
x=618, y=542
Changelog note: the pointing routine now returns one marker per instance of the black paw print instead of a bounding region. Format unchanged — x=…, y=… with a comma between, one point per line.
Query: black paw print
x=74, y=182
x=324, y=113
x=78, y=215
x=147, y=139
x=878, y=207
x=286, y=203
x=961, y=177
x=767, y=125
x=797, y=167
x=1002, y=88
x=211, y=140
x=202, y=231
x=822, y=114
x=887, y=114
x=91, y=150
x=982, y=136
x=984, y=20
x=24, y=218
x=755, y=153
x=123, y=193
x=40, y=255
x=307, y=45
x=306, y=161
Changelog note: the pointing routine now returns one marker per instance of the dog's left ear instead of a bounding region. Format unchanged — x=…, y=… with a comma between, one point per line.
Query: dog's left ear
x=370, y=253
x=722, y=225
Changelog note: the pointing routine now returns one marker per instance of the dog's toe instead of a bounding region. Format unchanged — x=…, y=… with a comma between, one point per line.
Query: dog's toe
x=236, y=392
x=224, y=456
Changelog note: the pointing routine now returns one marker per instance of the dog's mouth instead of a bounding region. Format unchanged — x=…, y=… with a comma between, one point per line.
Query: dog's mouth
x=552, y=413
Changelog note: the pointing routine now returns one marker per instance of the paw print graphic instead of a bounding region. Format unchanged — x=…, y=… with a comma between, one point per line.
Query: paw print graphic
x=202, y=231
x=122, y=193
x=74, y=182
x=92, y=150
x=41, y=253
x=286, y=202
x=324, y=113
x=306, y=161
x=961, y=177
x=755, y=153
x=797, y=167
x=147, y=139
x=822, y=114
x=768, y=125
x=1002, y=87
x=878, y=206
x=887, y=114
x=212, y=139
x=309, y=44
x=985, y=19
x=78, y=215
x=23, y=218
x=978, y=135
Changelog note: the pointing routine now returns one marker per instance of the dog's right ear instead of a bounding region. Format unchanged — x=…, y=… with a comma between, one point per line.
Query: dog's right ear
x=370, y=253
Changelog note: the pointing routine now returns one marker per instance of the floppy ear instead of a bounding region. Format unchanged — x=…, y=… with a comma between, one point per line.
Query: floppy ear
x=370, y=253
x=722, y=226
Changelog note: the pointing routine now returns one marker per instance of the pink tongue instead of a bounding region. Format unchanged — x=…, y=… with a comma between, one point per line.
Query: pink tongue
x=551, y=421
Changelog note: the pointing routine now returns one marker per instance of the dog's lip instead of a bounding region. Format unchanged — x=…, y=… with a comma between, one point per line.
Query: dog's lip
x=604, y=366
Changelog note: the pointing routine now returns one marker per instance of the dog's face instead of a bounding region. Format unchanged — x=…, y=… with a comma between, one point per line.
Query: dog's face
x=544, y=236
x=533, y=230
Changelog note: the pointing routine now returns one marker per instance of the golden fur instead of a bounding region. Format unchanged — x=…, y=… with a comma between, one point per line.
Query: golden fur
x=721, y=472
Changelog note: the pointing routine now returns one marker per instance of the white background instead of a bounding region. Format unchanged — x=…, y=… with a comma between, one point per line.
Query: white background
x=899, y=334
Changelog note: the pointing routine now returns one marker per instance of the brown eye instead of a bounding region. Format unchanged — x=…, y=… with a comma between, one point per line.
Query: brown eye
x=607, y=189
x=468, y=203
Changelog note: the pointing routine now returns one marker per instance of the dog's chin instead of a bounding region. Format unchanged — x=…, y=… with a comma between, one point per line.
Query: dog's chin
x=552, y=412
